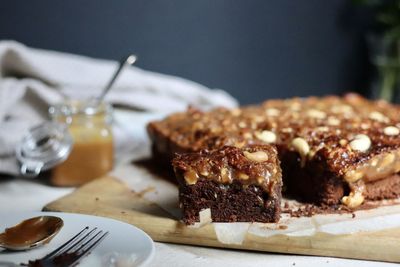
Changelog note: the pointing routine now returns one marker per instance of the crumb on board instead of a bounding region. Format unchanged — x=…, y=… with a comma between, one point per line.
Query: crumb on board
x=144, y=191
x=286, y=206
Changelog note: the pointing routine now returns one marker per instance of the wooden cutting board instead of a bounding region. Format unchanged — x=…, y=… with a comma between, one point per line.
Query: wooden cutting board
x=111, y=198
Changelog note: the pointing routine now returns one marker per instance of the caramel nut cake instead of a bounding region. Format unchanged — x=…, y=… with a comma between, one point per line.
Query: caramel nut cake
x=333, y=150
x=237, y=184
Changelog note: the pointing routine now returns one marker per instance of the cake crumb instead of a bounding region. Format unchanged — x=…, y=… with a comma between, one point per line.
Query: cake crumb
x=353, y=215
x=97, y=199
x=145, y=191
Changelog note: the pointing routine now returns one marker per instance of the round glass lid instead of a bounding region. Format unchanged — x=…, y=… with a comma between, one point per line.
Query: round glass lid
x=43, y=147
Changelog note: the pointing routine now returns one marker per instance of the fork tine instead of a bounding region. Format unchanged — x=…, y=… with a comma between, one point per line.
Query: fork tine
x=95, y=243
x=65, y=244
x=73, y=245
x=90, y=248
x=70, y=252
x=87, y=242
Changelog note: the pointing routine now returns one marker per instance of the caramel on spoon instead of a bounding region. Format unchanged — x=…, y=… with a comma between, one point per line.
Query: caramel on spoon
x=31, y=233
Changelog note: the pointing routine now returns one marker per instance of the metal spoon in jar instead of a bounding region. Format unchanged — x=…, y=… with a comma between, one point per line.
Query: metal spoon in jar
x=129, y=60
x=31, y=233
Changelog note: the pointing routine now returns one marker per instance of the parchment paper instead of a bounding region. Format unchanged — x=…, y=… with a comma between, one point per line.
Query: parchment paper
x=165, y=194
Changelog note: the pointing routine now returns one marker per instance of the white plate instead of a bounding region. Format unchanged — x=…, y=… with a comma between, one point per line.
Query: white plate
x=127, y=244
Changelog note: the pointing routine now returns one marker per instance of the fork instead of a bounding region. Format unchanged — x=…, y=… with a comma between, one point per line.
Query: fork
x=69, y=253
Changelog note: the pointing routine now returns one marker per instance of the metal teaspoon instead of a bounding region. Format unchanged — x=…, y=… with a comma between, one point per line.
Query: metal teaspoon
x=31, y=233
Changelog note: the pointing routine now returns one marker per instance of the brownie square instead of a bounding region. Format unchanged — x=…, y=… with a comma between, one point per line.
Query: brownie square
x=237, y=184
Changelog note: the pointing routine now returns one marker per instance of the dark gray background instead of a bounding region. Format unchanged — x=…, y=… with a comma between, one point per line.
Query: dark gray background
x=253, y=49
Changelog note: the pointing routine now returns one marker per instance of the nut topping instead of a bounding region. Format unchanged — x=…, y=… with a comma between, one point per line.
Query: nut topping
x=242, y=124
x=377, y=116
x=365, y=126
x=391, y=130
x=247, y=135
x=204, y=173
x=191, y=177
x=236, y=112
x=301, y=146
x=226, y=175
x=333, y=121
x=353, y=176
x=295, y=106
x=322, y=129
x=317, y=114
x=258, y=156
x=361, y=142
x=243, y=176
x=273, y=112
x=387, y=160
x=239, y=144
x=266, y=136
x=287, y=130
x=343, y=142
x=342, y=109
x=258, y=118
x=353, y=200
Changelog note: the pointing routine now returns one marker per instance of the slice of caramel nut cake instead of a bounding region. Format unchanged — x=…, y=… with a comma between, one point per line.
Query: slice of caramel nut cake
x=236, y=184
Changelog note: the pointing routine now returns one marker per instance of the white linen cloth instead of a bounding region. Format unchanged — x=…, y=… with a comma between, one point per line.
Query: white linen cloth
x=32, y=79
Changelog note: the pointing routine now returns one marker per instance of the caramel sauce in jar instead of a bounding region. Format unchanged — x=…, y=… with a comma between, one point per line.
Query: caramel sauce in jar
x=92, y=153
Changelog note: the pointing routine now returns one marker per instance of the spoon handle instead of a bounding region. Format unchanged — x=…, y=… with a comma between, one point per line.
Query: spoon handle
x=129, y=60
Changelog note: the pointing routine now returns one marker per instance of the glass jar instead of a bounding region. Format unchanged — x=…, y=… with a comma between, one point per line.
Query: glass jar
x=92, y=153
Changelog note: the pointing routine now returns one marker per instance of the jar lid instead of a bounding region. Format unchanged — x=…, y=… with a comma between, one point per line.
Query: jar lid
x=43, y=147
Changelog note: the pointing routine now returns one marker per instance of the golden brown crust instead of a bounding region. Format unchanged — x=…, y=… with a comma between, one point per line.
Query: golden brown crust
x=328, y=125
x=253, y=165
